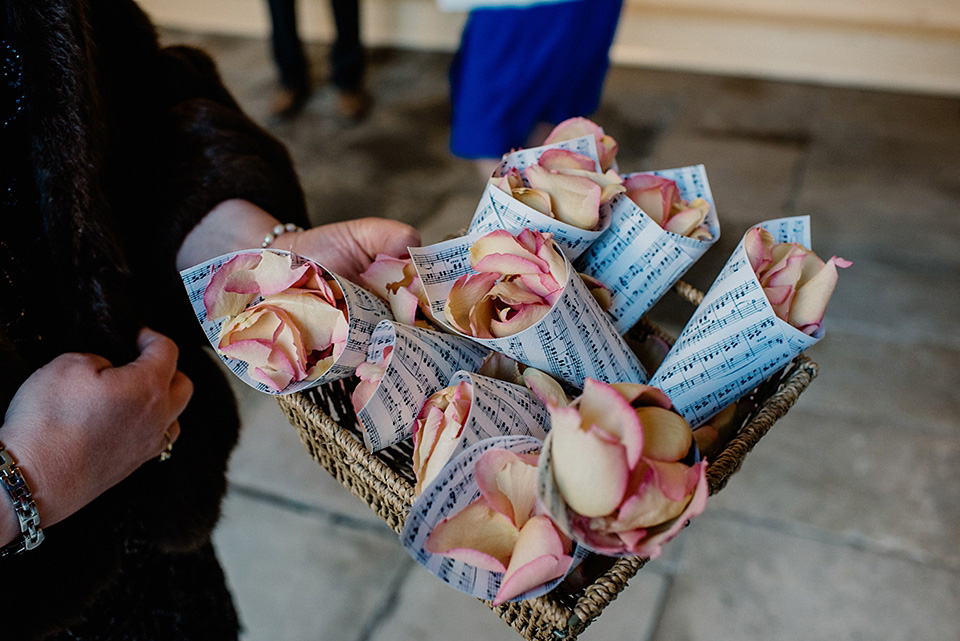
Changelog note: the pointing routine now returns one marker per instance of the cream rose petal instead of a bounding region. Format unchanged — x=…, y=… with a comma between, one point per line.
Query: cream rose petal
x=603, y=405
x=385, y=275
x=810, y=300
x=544, y=387
x=589, y=466
x=538, y=557
x=576, y=200
x=508, y=482
x=666, y=435
x=534, y=198
x=647, y=191
x=232, y=287
x=478, y=535
x=651, y=544
x=466, y=292
x=276, y=273
x=579, y=126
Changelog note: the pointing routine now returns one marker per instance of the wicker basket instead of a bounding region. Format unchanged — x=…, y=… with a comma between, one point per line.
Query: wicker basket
x=325, y=420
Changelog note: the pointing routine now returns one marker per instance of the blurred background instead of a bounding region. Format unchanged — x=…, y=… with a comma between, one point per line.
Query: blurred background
x=844, y=522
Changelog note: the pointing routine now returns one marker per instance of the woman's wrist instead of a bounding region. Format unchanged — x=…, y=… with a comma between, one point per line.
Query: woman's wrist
x=230, y=226
x=20, y=519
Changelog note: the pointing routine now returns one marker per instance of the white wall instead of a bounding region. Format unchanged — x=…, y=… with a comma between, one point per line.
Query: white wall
x=903, y=45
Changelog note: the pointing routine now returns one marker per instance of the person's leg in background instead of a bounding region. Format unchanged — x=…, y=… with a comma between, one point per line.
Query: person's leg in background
x=348, y=60
x=290, y=60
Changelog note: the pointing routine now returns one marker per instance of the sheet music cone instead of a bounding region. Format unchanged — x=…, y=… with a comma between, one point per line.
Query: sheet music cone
x=734, y=340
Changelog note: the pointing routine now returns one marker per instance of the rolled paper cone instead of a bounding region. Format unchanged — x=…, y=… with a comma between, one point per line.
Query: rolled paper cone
x=363, y=311
x=575, y=340
x=637, y=259
x=422, y=362
x=733, y=341
x=453, y=490
x=500, y=210
x=554, y=505
x=499, y=408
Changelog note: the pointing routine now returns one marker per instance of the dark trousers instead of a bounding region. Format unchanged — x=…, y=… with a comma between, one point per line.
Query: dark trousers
x=347, y=58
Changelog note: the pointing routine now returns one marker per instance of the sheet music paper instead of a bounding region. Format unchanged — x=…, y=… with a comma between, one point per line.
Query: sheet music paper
x=364, y=311
x=498, y=408
x=734, y=340
x=637, y=259
x=499, y=210
x=575, y=340
x=453, y=490
x=422, y=362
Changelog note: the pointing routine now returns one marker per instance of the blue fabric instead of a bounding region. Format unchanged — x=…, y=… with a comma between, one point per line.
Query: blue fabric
x=517, y=67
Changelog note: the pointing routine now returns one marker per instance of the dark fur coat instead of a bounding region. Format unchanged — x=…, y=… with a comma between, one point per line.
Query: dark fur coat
x=130, y=144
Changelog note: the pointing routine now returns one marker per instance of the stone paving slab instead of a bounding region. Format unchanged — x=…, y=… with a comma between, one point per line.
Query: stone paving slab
x=297, y=577
x=745, y=581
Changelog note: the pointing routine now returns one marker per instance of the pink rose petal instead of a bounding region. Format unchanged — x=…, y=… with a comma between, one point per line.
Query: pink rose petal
x=556, y=159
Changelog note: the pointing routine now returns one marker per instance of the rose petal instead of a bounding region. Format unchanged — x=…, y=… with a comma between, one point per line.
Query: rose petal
x=544, y=387
x=276, y=273
x=589, y=466
x=538, y=558
x=466, y=292
x=648, y=505
x=578, y=126
x=603, y=405
x=478, y=535
x=758, y=243
x=314, y=316
x=648, y=192
x=502, y=241
x=651, y=545
x=385, y=275
x=638, y=395
x=684, y=222
x=232, y=287
x=810, y=300
x=508, y=264
x=576, y=200
x=666, y=435
x=557, y=159
x=508, y=482
x=521, y=317
x=534, y=198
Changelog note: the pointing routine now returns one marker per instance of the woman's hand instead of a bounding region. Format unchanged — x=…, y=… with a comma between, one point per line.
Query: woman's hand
x=79, y=425
x=348, y=248
x=345, y=248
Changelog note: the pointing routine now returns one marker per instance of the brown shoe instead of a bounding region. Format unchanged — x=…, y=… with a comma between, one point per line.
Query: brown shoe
x=354, y=104
x=287, y=102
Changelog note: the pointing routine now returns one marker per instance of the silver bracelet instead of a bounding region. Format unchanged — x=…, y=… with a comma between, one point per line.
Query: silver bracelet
x=16, y=486
x=277, y=231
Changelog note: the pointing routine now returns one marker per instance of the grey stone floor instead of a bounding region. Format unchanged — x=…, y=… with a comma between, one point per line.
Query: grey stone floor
x=844, y=522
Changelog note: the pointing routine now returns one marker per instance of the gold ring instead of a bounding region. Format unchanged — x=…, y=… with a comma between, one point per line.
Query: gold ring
x=168, y=450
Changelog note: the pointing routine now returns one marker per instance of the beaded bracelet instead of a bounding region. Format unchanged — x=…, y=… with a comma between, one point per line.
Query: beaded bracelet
x=15, y=485
x=277, y=231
